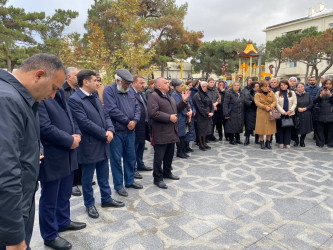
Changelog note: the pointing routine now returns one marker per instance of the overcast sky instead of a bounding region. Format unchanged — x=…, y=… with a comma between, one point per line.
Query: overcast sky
x=219, y=19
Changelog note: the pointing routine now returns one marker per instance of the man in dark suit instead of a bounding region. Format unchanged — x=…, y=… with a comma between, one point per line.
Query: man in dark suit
x=97, y=132
x=142, y=127
x=60, y=137
x=163, y=111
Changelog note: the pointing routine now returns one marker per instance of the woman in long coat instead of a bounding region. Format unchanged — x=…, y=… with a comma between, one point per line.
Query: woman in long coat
x=233, y=111
x=324, y=115
x=250, y=111
x=218, y=114
x=266, y=101
x=204, y=108
x=303, y=114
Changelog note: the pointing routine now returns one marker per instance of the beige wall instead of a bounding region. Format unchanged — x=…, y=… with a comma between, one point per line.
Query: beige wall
x=322, y=22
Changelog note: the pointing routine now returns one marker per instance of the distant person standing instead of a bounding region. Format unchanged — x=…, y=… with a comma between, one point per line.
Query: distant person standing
x=38, y=78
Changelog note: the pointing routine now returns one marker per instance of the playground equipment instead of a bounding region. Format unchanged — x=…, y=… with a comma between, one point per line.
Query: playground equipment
x=247, y=66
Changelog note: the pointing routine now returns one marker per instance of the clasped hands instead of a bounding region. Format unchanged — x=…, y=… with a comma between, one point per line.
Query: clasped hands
x=76, y=142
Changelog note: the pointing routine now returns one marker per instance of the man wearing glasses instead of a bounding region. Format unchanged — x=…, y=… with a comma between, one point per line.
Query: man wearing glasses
x=124, y=111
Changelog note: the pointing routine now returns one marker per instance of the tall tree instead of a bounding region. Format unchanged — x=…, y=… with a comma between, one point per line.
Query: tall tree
x=213, y=55
x=54, y=34
x=17, y=32
x=143, y=29
x=312, y=50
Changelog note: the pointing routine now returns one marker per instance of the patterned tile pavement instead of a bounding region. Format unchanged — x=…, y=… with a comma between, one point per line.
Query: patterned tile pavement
x=230, y=197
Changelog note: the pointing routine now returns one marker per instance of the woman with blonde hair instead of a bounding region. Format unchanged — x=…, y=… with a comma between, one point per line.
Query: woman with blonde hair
x=265, y=100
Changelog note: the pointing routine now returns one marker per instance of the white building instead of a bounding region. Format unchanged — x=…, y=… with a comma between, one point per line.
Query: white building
x=321, y=18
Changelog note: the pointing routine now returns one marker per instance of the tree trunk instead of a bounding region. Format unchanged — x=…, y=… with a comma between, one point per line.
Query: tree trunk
x=312, y=69
x=9, y=64
x=327, y=68
x=307, y=72
x=162, y=71
x=277, y=68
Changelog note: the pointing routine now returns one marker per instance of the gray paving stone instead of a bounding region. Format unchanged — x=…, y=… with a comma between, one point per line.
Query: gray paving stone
x=227, y=198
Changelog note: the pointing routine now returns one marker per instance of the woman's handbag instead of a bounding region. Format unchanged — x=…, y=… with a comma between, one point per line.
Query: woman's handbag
x=274, y=115
x=287, y=122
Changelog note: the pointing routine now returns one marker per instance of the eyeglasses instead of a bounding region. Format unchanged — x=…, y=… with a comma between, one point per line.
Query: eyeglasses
x=99, y=80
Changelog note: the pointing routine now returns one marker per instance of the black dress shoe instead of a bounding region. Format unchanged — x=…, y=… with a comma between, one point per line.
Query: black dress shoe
x=239, y=142
x=76, y=191
x=113, y=203
x=268, y=145
x=58, y=243
x=202, y=148
x=232, y=142
x=170, y=176
x=135, y=186
x=207, y=147
x=92, y=212
x=122, y=192
x=73, y=226
x=137, y=175
x=145, y=168
x=161, y=184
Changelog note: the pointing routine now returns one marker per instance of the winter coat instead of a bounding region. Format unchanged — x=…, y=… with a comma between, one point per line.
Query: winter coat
x=160, y=108
x=323, y=108
x=305, y=118
x=204, y=106
x=121, y=107
x=250, y=109
x=312, y=90
x=292, y=101
x=233, y=107
x=264, y=126
x=56, y=129
x=142, y=127
x=19, y=158
x=181, y=115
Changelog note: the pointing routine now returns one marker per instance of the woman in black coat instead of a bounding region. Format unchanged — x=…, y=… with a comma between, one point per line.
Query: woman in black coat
x=324, y=115
x=303, y=114
x=233, y=111
x=250, y=111
x=204, y=108
x=218, y=114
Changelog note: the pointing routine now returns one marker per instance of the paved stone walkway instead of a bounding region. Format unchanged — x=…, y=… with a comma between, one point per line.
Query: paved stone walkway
x=231, y=197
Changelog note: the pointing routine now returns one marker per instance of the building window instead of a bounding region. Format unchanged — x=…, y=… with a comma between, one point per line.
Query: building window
x=292, y=64
x=330, y=25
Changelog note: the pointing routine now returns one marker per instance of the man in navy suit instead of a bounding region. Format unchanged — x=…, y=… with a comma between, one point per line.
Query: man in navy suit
x=142, y=128
x=60, y=136
x=97, y=132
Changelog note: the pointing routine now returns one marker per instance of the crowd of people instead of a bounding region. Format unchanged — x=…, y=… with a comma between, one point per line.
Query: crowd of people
x=60, y=126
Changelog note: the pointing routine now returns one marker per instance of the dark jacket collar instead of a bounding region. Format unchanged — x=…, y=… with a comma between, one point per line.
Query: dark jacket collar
x=12, y=80
x=160, y=93
x=80, y=93
x=66, y=86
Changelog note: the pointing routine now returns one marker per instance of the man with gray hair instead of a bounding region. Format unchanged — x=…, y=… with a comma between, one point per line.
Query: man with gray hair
x=69, y=87
x=124, y=111
x=163, y=110
x=38, y=78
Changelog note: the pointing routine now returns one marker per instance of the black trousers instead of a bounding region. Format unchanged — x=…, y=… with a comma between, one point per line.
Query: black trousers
x=219, y=129
x=163, y=153
x=283, y=134
x=77, y=176
x=320, y=129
